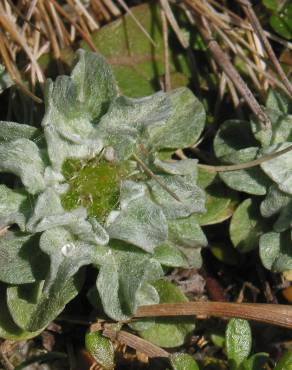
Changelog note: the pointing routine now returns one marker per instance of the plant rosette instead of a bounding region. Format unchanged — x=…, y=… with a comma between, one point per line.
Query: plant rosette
x=96, y=186
x=264, y=222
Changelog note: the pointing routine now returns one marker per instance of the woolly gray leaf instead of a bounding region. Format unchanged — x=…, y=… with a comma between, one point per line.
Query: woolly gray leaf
x=183, y=167
x=276, y=251
x=33, y=310
x=191, y=197
x=124, y=271
x=10, y=131
x=141, y=223
x=187, y=232
x=14, y=207
x=279, y=169
x=8, y=329
x=22, y=158
x=185, y=124
x=21, y=260
x=128, y=118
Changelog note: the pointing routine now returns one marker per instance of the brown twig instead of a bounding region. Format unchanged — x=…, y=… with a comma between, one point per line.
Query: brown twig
x=224, y=62
x=273, y=314
x=135, y=342
x=247, y=7
x=167, y=81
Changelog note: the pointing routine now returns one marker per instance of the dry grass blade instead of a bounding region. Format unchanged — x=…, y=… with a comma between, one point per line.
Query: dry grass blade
x=85, y=35
x=167, y=81
x=135, y=342
x=128, y=10
x=172, y=21
x=247, y=7
x=273, y=314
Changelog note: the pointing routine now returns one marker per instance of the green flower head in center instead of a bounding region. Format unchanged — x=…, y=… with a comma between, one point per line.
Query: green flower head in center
x=95, y=191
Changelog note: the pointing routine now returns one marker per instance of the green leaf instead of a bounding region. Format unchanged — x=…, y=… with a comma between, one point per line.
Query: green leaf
x=238, y=341
x=67, y=256
x=32, y=309
x=255, y=362
x=276, y=251
x=169, y=255
x=187, y=232
x=185, y=124
x=278, y=101
x=235, y=143
x=246, y=226
x=22, y=158
x=277, y=202
x=73, y=105
x=182, y=167
x=10, y=131
x=279, y=169
x=191, y=197
x=183, y=361
x=21, y=260
x=168, y=332
x=281, y=128
x=14, y=207
x=274, y=201
x=136, y=62
x=252, y=180
x=232, y=136
x=127, y=119
x=8, y=329
x=60, y=149
x=101, y=349
x=141, y=222
x=124, y=271
x=285, y=362
x=271, y=4
x=281, y=24
x=95, y=84
x=220, y=204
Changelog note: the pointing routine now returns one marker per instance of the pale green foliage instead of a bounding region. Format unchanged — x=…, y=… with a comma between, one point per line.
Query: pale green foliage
x=239, y=141
x=238, y=342
x=101, y=349
x=86, y=200
x=183, y=361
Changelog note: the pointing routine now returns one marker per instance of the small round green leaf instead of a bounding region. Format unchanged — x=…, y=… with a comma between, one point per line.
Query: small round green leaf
x=101, y=349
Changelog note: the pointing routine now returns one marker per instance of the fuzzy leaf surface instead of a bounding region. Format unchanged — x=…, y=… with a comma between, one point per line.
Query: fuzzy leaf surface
x=22, y=158
x=125, y=270
x=238, y=341
x=21, y=260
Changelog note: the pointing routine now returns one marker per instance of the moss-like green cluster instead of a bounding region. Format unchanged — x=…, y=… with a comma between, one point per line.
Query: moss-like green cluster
x=94, y=185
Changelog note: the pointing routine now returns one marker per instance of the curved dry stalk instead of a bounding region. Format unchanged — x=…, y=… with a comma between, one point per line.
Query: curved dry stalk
x=246, y=165
x=133, y=341
x=273, y=314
